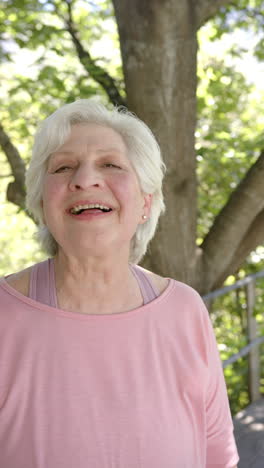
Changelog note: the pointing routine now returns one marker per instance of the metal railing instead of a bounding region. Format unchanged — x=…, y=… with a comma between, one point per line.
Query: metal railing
x=252, y=349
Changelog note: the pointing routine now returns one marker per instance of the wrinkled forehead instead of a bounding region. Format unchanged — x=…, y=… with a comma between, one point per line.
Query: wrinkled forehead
x=92, y=135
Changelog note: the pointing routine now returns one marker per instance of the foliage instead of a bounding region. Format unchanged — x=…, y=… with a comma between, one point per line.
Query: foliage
x=56, y=74
x=229, y=133
x=246, y=15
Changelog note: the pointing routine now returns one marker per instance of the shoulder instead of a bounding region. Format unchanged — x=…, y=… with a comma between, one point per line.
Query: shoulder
x=20, y=281
x=160, y=282
x=183, y=295
x=181, y=289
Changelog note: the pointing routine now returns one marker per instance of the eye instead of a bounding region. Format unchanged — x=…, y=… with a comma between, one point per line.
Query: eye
x=62, y=169
x=112, y=165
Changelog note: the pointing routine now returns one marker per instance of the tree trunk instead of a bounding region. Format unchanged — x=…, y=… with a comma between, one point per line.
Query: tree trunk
x=159, y=50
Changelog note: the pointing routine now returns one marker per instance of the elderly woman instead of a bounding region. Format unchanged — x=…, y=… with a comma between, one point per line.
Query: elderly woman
x=104, y=364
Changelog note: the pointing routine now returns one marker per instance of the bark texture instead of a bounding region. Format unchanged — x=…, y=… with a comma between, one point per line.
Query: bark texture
x=252, y=239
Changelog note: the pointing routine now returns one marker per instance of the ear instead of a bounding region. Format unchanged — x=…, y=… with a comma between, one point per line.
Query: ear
x=147, y=197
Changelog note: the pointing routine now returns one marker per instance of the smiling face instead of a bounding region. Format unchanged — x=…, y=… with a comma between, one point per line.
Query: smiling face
x=91, y=194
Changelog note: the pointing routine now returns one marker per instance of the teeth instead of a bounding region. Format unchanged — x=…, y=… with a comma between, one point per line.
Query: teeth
x=78, y=208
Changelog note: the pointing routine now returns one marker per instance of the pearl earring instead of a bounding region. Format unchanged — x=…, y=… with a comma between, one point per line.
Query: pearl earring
x=144, y=217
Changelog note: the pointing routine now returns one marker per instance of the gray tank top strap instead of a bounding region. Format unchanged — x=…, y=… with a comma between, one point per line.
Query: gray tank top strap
x=42, y=283
x=148, y=289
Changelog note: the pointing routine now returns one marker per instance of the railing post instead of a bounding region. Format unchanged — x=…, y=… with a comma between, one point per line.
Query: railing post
x=253, y=358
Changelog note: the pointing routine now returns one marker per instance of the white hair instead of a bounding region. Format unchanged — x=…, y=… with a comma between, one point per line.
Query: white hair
x=143, y=152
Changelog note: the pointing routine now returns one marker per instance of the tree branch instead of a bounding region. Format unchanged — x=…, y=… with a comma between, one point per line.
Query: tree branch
x=16, y=190
x=233, y=222
x=252, y=239
x=95, y=71
x=207, y=9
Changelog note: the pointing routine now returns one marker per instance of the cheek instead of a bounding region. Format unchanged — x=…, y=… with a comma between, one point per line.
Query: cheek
x=51, y=190
x=50, y=197
x=126, y=185
x=126, y=190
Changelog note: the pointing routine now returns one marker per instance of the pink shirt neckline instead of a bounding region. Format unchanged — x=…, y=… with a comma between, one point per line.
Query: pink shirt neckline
x=79, y=316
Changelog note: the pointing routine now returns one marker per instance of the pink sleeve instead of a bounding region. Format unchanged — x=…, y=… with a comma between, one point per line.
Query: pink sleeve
x=221, y=451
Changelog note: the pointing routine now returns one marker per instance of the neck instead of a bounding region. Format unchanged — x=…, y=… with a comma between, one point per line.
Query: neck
x=95, y=284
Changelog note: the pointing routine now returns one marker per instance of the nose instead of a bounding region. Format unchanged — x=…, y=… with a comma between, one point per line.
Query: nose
x=85, y=176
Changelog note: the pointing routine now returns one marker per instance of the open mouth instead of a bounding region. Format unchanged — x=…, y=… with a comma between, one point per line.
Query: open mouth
x=95, y=208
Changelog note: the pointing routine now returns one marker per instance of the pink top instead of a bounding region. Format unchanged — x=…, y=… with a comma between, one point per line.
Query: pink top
x=140, y=389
